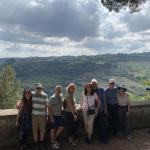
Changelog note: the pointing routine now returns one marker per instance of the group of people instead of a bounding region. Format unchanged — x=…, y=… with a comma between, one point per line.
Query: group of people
x=37, y=112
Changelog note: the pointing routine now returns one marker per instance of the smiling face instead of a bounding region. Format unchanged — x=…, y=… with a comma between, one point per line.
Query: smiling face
x=121, y=91
x=72, y=89
x=88, y=88
x=58, y=90
x=27, y=94
x=94, y=85
x=111, y=85
x=38, y=90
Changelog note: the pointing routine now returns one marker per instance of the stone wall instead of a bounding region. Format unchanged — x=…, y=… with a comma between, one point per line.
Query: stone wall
x=139, y=118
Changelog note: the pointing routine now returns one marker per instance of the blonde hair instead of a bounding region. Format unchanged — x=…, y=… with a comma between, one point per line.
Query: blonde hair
x=70, y=85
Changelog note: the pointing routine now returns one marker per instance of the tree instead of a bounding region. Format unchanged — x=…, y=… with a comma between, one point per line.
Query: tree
x=9, y=87
x=117, y=5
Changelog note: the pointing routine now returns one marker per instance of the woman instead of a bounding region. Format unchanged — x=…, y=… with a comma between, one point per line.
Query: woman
x=90, y=109
x=23, y=121
x=71, y=113
x=124, y=105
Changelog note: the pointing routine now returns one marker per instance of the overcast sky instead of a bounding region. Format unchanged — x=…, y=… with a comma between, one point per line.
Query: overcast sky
x=70, y=27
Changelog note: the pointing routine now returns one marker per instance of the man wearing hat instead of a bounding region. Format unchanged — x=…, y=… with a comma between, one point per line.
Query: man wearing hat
x=112, y=103
x=39, y=99
x=100, y=121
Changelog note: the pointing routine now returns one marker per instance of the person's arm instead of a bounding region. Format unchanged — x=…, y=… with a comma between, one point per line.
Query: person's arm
x=20, y=106
x=50, y=110
x=129, y=105
x=105, y=103
x=81, y=101
x=98, y=101
x=72, y=108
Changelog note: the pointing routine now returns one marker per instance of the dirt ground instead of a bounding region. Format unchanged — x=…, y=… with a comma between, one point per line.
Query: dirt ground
x=140, y=141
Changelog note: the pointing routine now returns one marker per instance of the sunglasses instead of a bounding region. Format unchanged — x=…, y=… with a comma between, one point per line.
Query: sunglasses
x=112, y=83
x=39, y=88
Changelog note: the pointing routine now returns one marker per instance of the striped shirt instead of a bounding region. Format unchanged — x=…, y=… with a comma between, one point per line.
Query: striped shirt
x=39, y=103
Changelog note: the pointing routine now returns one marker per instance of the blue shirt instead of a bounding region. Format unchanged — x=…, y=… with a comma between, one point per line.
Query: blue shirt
x=111, y=95
x=101, y=94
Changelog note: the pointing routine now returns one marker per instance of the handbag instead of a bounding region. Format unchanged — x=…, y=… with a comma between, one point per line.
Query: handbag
x=90, y=111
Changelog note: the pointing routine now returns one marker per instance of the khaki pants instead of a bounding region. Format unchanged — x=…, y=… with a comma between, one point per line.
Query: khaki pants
x=88, y=122
x=38, y=123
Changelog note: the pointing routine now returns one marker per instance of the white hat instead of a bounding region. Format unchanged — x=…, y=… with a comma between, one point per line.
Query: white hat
x=112, y=81
x=94, y=80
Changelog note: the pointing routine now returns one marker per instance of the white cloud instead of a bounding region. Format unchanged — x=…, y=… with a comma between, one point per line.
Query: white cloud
x=68, y=27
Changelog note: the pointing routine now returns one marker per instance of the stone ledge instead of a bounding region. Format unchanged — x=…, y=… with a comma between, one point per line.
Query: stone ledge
x=13, y=112
x=139, y=118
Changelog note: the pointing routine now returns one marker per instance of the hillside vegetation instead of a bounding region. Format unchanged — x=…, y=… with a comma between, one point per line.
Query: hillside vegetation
x=133, y=70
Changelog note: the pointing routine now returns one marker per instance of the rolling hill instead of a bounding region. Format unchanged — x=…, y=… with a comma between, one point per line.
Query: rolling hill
x=128, y=69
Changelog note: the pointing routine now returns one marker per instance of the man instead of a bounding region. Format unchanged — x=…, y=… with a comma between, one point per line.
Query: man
x=39, y=99
x=100, y=121
x=111, y=99
x=55, y=114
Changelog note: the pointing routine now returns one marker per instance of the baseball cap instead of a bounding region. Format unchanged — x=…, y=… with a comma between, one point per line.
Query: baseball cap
x=112, y=81
x=38, y=85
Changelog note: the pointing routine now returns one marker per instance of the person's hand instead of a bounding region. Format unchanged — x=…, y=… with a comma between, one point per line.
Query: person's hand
x=75, y=117
x=106, y=112
x=52, y=120
x=127, y=114
x=96, y=112
x=17, y=123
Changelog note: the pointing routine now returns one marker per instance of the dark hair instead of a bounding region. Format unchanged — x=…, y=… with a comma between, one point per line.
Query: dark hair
x=85, y=89
x=122, y=88
x=26, y=102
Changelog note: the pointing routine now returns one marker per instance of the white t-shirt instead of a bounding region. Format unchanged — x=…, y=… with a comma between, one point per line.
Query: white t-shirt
x=89, y=101
x=123, y=100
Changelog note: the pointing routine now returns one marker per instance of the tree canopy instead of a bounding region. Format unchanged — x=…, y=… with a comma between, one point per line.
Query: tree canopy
x=9, y=87
x=117, y=5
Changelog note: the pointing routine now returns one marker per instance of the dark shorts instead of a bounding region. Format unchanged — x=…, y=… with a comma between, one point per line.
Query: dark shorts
x=58, y=122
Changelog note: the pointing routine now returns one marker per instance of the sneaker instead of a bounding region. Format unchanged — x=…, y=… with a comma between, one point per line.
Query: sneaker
x=75, y=140
x=71, y=141
x=54, y=146
x=56, y=142
x=129, y=138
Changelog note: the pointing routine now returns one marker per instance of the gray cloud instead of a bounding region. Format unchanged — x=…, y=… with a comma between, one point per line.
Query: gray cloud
x=98, y=44
x=27, y=38
x=69, y=27
x=138, y=22
x=57, y=18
